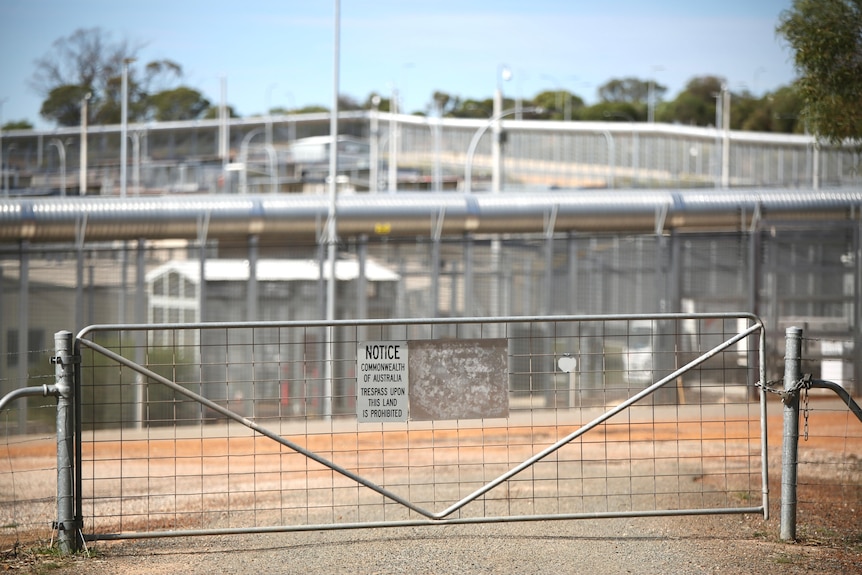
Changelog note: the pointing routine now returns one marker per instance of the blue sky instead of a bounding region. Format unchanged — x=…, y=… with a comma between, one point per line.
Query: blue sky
x=280, y=52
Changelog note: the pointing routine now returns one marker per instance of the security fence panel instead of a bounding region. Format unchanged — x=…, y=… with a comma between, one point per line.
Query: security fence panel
x=828, y=470
x=28, y=472
x=225, y=427
x=421, y=153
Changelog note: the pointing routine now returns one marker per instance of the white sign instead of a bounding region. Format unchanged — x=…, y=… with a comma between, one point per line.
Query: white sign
x=381, y=381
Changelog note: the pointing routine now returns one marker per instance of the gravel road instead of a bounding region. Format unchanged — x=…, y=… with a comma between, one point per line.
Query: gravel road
x=679, y=545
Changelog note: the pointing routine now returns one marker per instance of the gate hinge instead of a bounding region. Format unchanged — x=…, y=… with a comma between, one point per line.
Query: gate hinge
x=58, y=360
x=72, y=525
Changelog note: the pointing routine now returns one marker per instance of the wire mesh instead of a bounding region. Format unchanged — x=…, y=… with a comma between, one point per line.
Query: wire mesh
x=156, y=461
x=829, y=471
x=28, y=467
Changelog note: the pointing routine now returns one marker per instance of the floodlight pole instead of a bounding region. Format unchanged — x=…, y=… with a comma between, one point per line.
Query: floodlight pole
x=2, y=101
x=331, y=222
x=82, y=173
x=124, y=127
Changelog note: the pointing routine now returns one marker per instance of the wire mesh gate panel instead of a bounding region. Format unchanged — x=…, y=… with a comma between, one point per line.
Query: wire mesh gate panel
x=595, y=416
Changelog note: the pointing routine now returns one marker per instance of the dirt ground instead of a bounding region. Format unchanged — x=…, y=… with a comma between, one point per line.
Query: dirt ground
x=829, y=536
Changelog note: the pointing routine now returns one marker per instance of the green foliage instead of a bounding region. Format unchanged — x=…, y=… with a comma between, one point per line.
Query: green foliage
x=63, y=105
x=383, y=104
x=695, y=105
x=212, y=113
x=88, y=62
x=614, y=112
x=17, y=125
x=347, y=103
x=181, y=103
x=826, y=37
x=630, y=90
x=830, y=56
x=556, y=103
x=786, y=111
x=474, y=109
x=776, y=112
x=445, y=102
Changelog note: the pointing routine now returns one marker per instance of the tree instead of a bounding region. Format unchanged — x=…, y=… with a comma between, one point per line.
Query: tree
x=181, y=103
x=445, y=102
x=158, y=75
x=614, y=112
x=826, y=37
x=17, y=125
x=87, y=61
x=213, y=113
x=382, y=103
x=743, y=107
x=696, y=104
x=474, y=109
x=555, y=103
x=63, y=104
x=348, y=103
x=786, y=110
x=630, y=90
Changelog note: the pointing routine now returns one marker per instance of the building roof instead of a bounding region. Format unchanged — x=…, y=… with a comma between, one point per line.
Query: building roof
x=272, y=270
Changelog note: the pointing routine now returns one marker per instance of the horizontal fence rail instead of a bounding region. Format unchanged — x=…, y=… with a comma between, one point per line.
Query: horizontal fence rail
x=221, y=428
x=382, y=151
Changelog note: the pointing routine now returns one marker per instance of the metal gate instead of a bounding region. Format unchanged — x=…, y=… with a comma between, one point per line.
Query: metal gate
x=281, y=426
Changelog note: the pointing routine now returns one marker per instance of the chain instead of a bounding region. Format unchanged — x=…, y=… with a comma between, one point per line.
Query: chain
x=773, y=387
x=803, y=384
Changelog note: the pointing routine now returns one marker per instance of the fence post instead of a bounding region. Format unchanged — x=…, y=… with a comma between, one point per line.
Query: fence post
x=792, y=375
x=64, y=366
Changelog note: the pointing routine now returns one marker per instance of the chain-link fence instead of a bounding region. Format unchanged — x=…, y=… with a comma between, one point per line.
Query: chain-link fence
x=388, y=152
x=790, y=275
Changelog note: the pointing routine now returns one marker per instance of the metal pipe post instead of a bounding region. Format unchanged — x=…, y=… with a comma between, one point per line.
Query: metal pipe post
x=332, y=221
x=124, y=125
x=792, y=362
x=82, y=171
x=63, y=365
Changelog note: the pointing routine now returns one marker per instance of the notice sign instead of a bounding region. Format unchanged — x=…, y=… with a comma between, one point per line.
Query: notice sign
x=381, y=381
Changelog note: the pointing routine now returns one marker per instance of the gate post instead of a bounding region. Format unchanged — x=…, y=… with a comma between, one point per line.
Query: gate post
x=792, y=375
x=64, y=366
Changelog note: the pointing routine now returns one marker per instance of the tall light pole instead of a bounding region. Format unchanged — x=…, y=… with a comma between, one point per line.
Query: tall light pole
x=717, y=154
x=124, y=119
x=269, y=113
x=437, y=175
x=9, y=149
x=243, y=155
x=374, y=146
x=503, y=75
x=474, y=143
x=2, y=101
x=651, y=94
x=331, y=221
x=725, y=129
x=82, y=174
x=223, y=129
x=61, y=151
x=136, y=161
x=393, y=142
x=567, y=104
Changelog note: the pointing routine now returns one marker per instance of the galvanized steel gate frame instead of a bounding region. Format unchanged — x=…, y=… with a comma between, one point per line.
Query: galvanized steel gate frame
x=429, y=517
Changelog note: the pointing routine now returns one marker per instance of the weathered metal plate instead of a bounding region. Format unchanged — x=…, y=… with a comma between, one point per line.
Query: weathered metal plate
x=458, y=379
